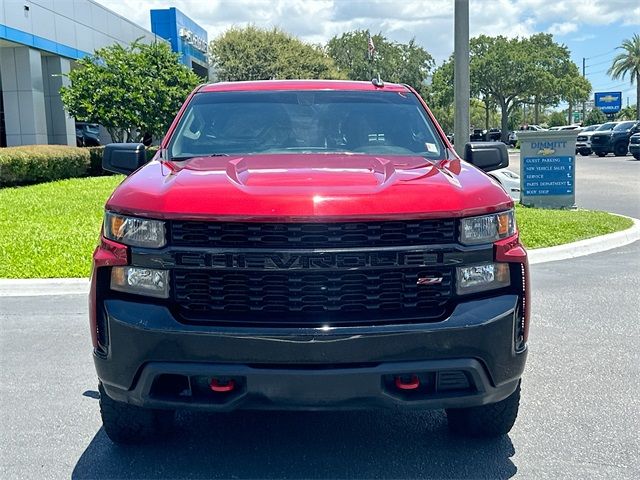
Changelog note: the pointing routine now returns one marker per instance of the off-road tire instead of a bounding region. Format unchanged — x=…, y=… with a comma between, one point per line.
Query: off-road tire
x=124, y=423
x=490, y=420
x=585, y=153
x=620, y=149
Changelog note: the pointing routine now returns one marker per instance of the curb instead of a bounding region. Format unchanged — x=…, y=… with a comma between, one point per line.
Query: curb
x=39, y=287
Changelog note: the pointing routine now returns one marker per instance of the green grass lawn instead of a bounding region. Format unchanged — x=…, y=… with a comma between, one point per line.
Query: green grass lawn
x=50, y=230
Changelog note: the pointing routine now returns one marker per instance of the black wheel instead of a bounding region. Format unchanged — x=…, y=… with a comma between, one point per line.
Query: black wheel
x=636, y=156
x=600, y=154
x=124, y=423
x=620, y=149
x=585, y=152
x=490, y=420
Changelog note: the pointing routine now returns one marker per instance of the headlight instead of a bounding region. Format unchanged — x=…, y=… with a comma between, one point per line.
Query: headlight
x=487, y=228
x=142, y=281
x=478, y=278
x=133, y=231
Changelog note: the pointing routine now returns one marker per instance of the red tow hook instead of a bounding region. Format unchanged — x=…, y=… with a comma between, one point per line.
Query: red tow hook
x=221, y=386
x=411, y=384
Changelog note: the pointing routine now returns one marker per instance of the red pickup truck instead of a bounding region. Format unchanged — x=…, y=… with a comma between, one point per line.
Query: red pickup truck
x=308, y=245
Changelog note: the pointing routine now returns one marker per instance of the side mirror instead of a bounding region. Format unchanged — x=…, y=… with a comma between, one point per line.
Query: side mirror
x=123, y=157
x=487, y=156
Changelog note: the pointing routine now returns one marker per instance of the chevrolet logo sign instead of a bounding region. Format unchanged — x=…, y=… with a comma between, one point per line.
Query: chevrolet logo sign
x=546, y=151
x=609, y=98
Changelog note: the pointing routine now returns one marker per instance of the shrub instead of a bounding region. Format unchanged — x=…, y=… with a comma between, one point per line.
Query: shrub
x=41, y=163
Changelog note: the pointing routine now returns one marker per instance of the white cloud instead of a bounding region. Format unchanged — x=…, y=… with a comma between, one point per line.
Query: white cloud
x=430, y=22
x=562, y=28
x=583, y=38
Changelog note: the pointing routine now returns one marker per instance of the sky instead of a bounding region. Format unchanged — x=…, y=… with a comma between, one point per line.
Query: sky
x=591, y=29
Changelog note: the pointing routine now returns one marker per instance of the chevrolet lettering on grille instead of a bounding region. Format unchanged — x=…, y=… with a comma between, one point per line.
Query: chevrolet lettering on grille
x=310, y=261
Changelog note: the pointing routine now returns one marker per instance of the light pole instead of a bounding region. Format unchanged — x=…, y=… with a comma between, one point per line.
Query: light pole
x=461, y=74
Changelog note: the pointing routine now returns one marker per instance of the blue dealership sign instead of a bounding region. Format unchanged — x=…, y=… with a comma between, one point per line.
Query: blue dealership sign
x=548, y=168
x=608, y=102
x=552, y=175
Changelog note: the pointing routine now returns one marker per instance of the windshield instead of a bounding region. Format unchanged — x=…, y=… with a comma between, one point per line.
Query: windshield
x=218, y=123
x=621, y=127
x=590, y=128
x=606, y=126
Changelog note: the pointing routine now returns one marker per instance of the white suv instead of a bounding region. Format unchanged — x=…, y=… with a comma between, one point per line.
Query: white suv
x=583, y=141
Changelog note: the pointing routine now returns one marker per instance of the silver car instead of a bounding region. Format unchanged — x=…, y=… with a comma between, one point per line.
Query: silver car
x=508, y=180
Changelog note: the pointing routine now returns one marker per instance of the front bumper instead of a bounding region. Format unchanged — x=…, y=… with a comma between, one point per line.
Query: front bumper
x=155, y=361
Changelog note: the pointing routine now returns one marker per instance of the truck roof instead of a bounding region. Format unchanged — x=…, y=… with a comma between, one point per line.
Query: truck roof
x=300, y=85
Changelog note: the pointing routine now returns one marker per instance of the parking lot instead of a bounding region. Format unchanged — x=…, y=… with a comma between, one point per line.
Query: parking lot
x=578, y=418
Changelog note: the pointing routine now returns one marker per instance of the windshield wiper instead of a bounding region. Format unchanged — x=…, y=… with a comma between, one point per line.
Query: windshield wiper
x=188, y=157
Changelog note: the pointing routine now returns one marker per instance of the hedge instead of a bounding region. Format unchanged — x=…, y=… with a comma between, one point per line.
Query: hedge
x=41, y=163
x=46, y=163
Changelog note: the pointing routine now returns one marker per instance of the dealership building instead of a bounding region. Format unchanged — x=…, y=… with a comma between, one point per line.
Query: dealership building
x=40, y=40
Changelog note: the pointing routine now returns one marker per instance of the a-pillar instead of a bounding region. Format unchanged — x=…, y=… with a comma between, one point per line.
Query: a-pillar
x=23, y=96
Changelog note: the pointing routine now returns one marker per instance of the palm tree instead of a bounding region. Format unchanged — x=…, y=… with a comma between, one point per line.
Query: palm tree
x=628, y=62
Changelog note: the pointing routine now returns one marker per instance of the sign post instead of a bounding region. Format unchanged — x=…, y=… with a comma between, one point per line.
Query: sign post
x=547, y=168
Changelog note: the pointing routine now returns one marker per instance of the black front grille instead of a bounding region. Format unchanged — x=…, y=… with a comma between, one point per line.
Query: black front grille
x=634, y=140
x=582, y=138
x=335, y=297
x=599, y=139
x=311, y=235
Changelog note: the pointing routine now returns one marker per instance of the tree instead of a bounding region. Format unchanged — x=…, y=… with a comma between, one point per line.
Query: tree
x=575, y=89
x=557, y=119
x=395, y=62
x=441, y=89
x=627, y=113
x=516, y=71
x=595, y=117
x=628, y=63
x=129, y=90
x=500, y=68
x=558, y=76
x=252, y=53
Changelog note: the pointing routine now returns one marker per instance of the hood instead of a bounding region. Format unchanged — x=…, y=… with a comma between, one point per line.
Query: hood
x=290, y=187
x=587, y=134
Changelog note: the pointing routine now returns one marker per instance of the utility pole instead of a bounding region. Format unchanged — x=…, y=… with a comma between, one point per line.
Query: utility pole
x=461, y=74
x=584, y=104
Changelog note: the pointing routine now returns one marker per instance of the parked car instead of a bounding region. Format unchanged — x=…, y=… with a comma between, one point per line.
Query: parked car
x=634, y=145
x=614, y=141
x=477, y=135
x=583, y=140
x=311, y=245
x=566, y=127
x=509, y=180
x=493, y=135
x=536, y=128
x=87, y=134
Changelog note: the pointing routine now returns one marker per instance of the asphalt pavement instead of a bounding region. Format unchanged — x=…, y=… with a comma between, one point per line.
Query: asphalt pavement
x=579, y=415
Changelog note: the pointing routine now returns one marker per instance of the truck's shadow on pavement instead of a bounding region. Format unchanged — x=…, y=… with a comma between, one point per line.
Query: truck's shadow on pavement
x=379, y=444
